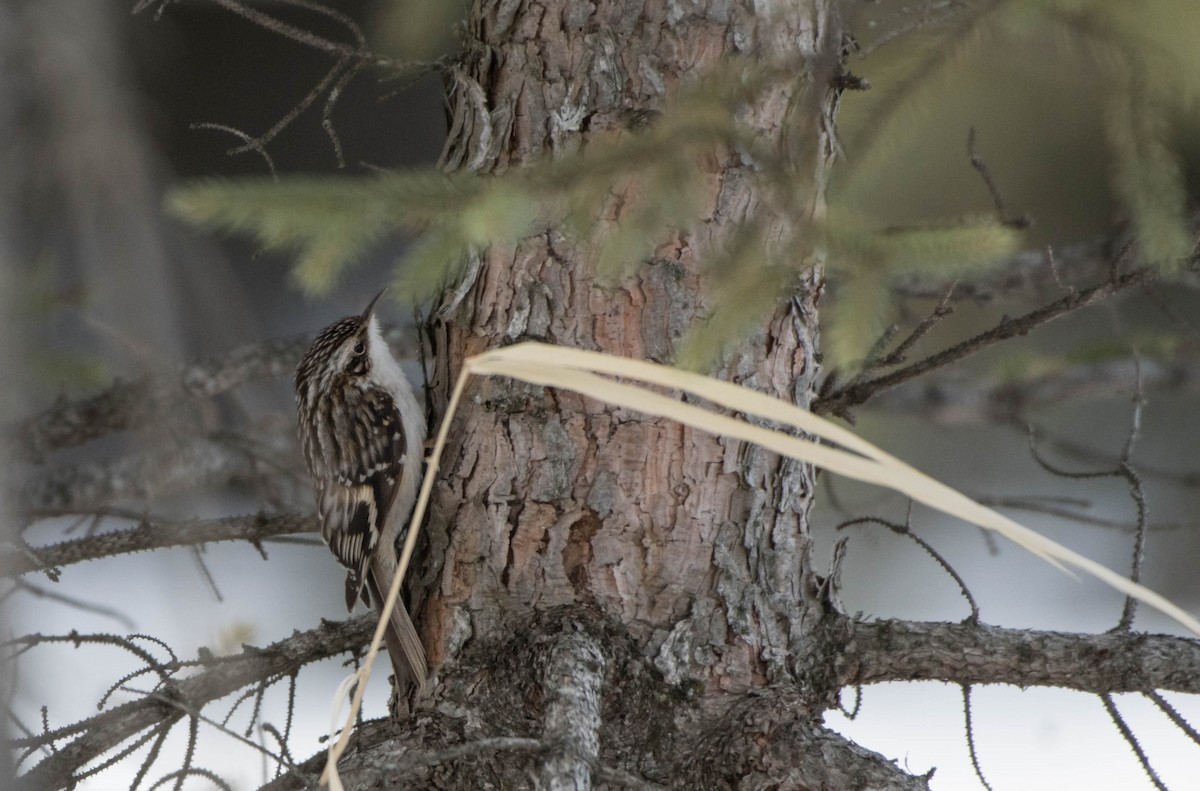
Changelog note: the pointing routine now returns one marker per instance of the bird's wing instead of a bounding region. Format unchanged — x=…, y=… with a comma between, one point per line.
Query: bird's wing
x=357, y=496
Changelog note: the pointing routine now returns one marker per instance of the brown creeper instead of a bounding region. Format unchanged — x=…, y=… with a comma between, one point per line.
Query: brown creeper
x=362, y=433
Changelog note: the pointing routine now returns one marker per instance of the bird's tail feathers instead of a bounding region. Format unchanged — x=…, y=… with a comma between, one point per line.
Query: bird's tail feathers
x=356, y=589
x=404, y=646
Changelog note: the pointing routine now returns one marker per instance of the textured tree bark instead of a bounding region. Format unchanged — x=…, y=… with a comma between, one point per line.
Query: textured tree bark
x=561, y=524
x=697, y=544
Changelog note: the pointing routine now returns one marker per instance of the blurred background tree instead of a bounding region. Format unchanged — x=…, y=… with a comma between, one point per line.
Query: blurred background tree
x=677, y=182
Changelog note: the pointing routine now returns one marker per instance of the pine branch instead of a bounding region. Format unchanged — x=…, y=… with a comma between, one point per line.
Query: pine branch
x=108, y=730
x=978, y=654
x=127, y=405
x=154, y=535
x=841, y=401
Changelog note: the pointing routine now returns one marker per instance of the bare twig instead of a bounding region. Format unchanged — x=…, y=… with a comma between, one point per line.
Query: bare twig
x=291, y=712
x=852, y=713
x=1052, y=262
x=300, y=35
x=933, y=14
x=182, y=774
x=105, y=731
x=259, y=142
x=1124, y=469
x=196, y=716
x=940, y=312
x=342, y=72
x=966, y=693
x=1138, y=495
x=1131, y=740
x=248, y=143
x=155, y=749
x=197, y=553
x=952, y=399
x=125, y=752
x=1072, y=515
x=1174, y=716
x=899, y=96
x=876, y=358
x=906, y=530
x=875, y=355
x=77, y=603
x=993, y=189
x=1086, y=453
x=150, y=535
x=327, y=113
x=349, y=61
x=26, y=643
x=844, y=399
x=190, y=753
x=128, y=405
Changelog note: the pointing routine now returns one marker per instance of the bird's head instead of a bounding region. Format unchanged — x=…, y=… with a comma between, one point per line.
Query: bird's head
x=343, y=350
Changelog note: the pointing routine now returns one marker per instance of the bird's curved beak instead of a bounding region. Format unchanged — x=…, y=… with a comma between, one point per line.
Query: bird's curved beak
x=366, y=314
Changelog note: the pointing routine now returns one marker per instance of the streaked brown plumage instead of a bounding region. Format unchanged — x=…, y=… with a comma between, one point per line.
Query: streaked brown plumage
x=362, y=433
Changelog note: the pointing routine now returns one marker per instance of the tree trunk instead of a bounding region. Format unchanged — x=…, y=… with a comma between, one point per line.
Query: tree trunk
x=635, y=593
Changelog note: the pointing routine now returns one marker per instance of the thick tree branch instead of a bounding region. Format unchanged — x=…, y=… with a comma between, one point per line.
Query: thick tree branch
x=154, y=535
x=977, y=654
x=110, y=729
x=573, y=681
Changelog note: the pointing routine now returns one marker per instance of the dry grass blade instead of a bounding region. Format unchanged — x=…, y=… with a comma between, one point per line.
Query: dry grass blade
x=581, y=372
x=575, y=369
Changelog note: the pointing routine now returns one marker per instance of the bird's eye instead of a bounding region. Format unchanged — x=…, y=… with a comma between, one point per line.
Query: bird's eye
x=359, y=348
